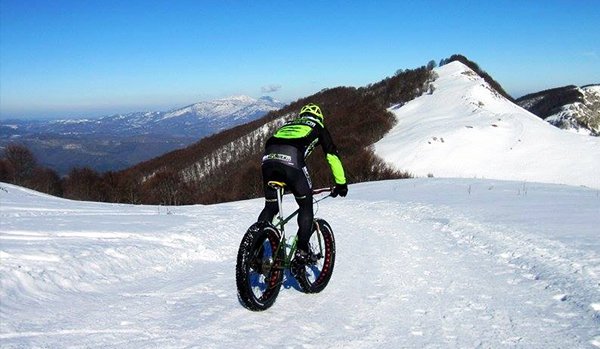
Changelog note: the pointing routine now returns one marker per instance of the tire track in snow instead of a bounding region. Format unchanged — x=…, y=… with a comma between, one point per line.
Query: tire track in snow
x=458, y=279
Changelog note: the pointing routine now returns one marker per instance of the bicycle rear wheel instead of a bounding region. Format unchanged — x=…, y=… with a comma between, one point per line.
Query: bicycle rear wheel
x=317, y=273
x=258, y=279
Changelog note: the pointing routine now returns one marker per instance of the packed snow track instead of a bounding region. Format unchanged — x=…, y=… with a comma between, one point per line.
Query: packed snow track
x=437, y=263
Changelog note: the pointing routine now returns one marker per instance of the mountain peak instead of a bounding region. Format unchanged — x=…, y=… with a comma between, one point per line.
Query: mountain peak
x=466, y=128
x=240, y=98
x=475, y=67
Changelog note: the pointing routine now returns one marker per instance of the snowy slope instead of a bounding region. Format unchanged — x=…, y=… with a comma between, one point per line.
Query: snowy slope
x=465, y=129
x=442, y=263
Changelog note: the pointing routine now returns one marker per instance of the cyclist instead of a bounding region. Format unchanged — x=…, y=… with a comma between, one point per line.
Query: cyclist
x=284, y=161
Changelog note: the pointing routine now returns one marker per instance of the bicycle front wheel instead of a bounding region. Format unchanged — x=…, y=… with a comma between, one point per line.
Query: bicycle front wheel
x=317, y=273
x=257, y=277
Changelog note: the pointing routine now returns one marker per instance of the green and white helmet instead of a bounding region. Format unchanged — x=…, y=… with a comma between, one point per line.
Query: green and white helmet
x=313, y=109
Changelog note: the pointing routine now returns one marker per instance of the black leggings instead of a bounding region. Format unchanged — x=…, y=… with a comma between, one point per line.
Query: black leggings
x=298, y=181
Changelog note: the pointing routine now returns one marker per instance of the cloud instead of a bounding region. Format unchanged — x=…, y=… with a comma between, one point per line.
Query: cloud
x=270, y=88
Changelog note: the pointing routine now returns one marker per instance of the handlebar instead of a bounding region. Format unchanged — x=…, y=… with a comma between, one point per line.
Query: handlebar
x=322, y=190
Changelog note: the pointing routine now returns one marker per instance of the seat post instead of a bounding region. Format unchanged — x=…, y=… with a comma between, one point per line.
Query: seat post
x=280, y=206
x=279, y=188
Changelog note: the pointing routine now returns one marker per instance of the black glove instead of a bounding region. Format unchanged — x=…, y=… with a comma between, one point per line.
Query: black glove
x=339, y=189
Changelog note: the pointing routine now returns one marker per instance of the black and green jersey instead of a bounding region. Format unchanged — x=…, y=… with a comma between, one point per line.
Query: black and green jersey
x=294, y=142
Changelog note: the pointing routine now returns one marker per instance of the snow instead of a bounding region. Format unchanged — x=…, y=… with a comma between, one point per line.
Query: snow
x=508, y=259
x=241, y=106
x=595, y=89
x=582, y=117
x=465, y=129
x=420, y=263
x=71, y=121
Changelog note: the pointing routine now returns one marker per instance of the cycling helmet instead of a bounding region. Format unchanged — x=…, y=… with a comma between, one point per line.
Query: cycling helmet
x=313, y=109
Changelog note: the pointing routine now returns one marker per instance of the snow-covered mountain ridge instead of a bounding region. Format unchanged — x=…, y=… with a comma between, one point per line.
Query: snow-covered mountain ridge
x=119, y=141
x=465, y=129
x=194, y=120
x=576, y=109
x=238, y=108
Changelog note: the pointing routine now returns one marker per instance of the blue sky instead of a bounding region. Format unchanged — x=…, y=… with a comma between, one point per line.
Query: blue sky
x=91, y=58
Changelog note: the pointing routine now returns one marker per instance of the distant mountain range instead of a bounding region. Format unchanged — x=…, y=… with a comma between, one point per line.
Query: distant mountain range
x=118, y=141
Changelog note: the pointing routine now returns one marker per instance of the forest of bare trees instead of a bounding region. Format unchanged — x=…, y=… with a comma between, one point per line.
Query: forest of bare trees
x=19, y=166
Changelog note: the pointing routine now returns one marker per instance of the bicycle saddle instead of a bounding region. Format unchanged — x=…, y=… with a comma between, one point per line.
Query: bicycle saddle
x=276, y=184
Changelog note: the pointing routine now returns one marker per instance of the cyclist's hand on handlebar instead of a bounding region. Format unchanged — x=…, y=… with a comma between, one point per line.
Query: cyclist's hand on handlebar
x=339, y=189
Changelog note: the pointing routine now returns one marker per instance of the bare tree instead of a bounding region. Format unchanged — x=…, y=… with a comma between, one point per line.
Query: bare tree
x=165, y=188
x=46, y=181
x=20, y=163
x=82, y=184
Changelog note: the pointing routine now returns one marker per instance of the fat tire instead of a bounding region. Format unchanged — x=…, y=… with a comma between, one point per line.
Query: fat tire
x=257, y=291
x=315, y=277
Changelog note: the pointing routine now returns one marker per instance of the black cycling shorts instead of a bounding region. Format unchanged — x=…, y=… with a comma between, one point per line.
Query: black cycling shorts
x=297, y=180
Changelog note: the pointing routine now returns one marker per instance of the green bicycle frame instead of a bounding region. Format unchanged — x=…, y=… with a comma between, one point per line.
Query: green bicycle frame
x=281, y=223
